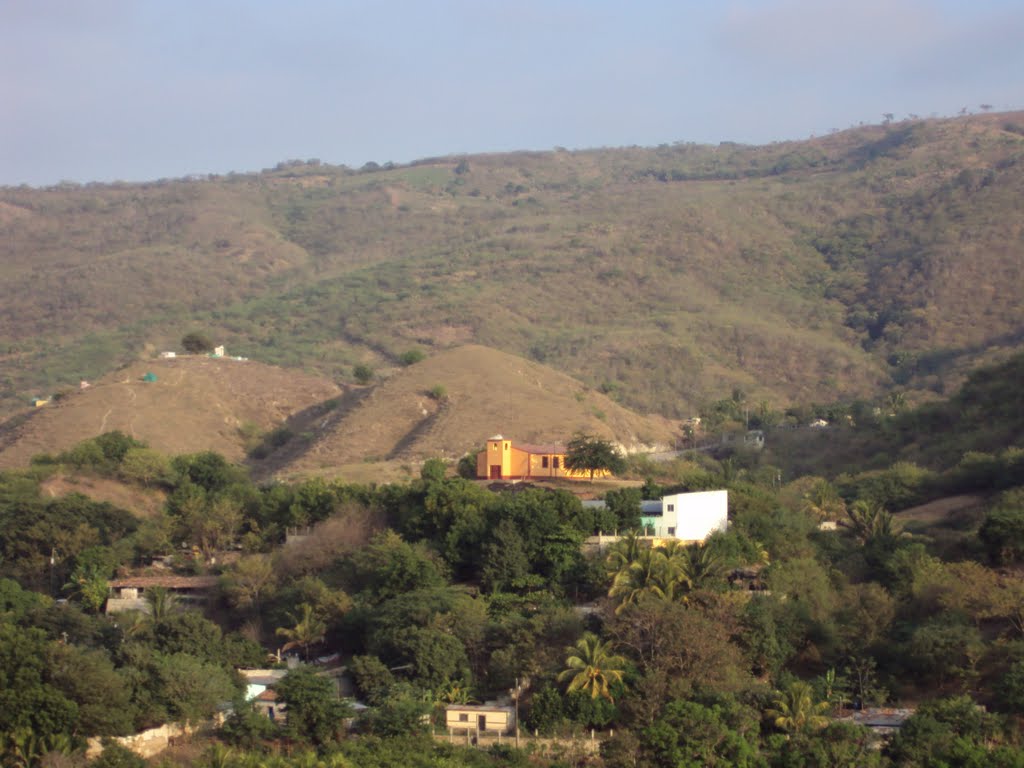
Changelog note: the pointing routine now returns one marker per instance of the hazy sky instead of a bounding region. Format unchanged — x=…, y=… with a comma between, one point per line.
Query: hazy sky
x=99, y=90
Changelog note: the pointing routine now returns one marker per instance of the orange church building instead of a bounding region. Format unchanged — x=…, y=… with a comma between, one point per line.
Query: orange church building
x=503, y=460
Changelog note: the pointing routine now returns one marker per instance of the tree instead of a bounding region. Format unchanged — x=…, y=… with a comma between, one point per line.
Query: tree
x=680, y=648
x=589, y=454
x=649, y=575
x=196, y=343
x=873, y=524
x=823, y=502
x=390, y=566
x=251, y=578
x=1010, y=690
x=592, y=667
x=624, y=503
x=505, y=563
x=690, y=733
x=1002, y=534
x=89, y=585
x=694, y=566
x=145, y=466
x=29, y=704
x=546, y=710
x=309, y=629
x=795, y=711
x=191, y=687
x=162, y=603
x=212, y=525
x=315, y=713
x=945, y=732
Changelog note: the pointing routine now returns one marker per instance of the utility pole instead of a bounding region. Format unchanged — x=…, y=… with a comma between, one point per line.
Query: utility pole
x=53, y=563
x=515, y=693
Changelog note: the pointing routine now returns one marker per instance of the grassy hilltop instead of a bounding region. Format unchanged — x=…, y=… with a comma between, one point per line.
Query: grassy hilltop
x=835, y=267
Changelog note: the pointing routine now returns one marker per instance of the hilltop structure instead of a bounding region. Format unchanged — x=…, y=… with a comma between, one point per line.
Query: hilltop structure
x=503, y=460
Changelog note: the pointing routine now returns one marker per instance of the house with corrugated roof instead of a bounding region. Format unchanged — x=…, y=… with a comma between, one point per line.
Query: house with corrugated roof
x=129, y=593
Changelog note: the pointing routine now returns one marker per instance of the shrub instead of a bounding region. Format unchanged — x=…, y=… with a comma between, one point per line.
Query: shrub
x=363, y=374
x=438, y=393
x=116, y=756
x=196, y=343
x=411, y=357
x=467, y=467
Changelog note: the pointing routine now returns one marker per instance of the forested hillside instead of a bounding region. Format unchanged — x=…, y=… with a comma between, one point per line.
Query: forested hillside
x=804, y=271
x=828, y=599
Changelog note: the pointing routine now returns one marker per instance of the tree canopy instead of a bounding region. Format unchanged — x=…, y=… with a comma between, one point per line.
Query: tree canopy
x=586, y=453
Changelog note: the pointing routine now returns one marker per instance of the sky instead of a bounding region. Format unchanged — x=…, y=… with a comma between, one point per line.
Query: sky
x=138, y=90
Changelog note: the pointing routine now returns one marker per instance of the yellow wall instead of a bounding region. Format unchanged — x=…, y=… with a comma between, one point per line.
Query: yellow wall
x=516, y=463
x=498, y=453
x=496, y=721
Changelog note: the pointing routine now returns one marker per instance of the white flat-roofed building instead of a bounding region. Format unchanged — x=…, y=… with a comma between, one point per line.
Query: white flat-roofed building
x=689, y=516
x=479, y=718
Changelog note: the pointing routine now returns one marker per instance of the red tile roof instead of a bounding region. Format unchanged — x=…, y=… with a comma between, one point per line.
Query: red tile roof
x=548, y=450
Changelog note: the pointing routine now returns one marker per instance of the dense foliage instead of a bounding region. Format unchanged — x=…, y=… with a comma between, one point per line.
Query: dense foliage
x=752, y=648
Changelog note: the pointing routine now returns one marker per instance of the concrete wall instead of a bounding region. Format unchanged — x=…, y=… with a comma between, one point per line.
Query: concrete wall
x=145, y=744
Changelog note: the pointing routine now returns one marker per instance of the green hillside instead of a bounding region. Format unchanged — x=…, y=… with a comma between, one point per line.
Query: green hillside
x=831, y=268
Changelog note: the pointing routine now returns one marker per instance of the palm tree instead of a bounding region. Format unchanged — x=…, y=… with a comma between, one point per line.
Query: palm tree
x=133, y=623
x=309, y=630
x=162, y=603
x=648, y=575
x=592, y=666
x=623, y=552
x=695, y=566
x=796, y=711
x=871, y=522
x=219, y=756
x=824, y=502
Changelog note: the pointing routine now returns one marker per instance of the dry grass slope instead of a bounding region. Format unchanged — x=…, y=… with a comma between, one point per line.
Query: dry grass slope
x=196, y=403
x=487, y=391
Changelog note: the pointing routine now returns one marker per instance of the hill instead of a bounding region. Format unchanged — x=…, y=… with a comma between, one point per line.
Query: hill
x=983, y=419
x=837, y=267
x=485, y=391
x=196, y=403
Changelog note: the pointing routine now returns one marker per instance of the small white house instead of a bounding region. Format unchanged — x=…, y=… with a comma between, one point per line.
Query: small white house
x=168, y=355
x=218, y=351
x=479, y=718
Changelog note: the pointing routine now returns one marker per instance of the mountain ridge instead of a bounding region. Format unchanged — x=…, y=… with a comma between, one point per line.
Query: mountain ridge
x=833, y=268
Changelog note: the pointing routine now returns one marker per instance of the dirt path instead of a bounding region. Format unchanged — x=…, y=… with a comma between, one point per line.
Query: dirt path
x=940, y=509
x=103, y=423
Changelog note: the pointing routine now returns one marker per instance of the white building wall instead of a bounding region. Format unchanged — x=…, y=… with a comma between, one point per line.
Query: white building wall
x=695, y=516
